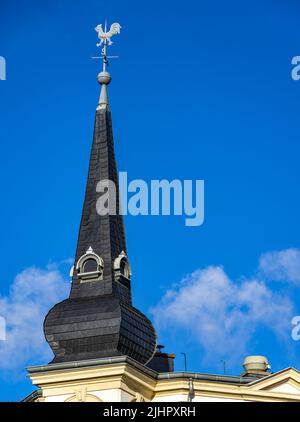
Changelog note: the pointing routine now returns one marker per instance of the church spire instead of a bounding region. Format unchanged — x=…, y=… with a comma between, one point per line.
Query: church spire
x=98, y=319
x=103, y=232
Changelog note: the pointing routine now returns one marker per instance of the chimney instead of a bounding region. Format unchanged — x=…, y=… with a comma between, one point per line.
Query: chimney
x=162, y=362
x=256, y=366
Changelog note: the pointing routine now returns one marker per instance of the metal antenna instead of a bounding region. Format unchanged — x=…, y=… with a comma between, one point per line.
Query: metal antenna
x=185, y=361
x=224, y=366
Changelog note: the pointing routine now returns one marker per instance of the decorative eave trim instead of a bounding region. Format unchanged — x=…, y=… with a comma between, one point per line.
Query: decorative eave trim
x=127, y=360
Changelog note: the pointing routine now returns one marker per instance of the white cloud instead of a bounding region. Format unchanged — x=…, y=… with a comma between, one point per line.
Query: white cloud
x=222, y=315
x=281, y=265
x=33, y=292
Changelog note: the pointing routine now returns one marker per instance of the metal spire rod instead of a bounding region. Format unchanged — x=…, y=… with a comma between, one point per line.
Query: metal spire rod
x=104, y=49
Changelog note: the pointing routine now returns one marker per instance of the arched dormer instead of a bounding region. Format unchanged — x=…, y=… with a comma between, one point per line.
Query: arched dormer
x=90, y=266
x=122, y=267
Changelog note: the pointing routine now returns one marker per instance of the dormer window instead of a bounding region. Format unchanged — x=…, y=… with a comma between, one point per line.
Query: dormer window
x=122, y=267
x=90, y=266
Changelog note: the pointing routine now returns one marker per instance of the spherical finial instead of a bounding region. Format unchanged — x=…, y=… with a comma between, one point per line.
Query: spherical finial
x=104, y=78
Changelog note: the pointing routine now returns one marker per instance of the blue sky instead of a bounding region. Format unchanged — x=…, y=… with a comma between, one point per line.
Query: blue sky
x=200, y=91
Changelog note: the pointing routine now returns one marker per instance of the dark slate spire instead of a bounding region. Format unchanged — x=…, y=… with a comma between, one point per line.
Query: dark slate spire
x=104, y=233
x=98, y=319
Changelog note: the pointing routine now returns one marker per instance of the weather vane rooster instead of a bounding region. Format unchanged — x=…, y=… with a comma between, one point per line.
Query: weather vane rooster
x=105, y=36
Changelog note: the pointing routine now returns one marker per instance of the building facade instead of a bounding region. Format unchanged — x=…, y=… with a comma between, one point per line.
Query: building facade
x=122, y=379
